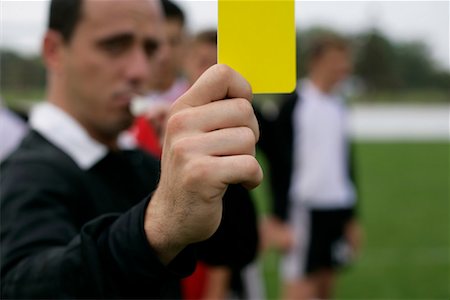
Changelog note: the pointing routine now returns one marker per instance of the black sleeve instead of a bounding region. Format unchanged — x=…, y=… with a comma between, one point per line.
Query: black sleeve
x=235, y=242
x=45, y=255
x=267, y=133
x=277, y=144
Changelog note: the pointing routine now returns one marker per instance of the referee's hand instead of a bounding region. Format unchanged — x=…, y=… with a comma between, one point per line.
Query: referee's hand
x=210, y=142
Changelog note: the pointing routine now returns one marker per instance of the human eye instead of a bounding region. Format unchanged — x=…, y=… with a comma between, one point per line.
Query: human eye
x=150, y=47
x=116, y=45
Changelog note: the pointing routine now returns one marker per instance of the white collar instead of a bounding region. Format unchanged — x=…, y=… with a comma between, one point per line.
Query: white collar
x=308, y=87
x=311, y=92
x=66, y=133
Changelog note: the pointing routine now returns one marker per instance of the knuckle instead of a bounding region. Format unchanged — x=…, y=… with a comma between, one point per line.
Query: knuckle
x=176, y=123
x=228, y=75
x=247, y=136
x=223, y=71
x=196, y=172
x=250, y=90
x=180, y=149
x=245, y=108
x=253, y=168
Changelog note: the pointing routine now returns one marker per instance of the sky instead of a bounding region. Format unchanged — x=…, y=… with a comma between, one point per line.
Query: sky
x=22, y=23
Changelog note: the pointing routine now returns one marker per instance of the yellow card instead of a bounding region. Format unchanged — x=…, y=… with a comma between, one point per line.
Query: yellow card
x=257, y=39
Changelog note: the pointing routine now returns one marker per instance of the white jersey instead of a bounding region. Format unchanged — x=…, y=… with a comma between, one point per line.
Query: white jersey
x=320, y=176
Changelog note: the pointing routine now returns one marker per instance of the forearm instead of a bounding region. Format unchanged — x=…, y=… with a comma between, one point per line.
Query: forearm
x=109, y=258
x=51, y=272
x=161, y=233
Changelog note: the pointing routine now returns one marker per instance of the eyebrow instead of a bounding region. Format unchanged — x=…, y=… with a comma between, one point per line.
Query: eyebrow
x=126, y=38
x=121, y=37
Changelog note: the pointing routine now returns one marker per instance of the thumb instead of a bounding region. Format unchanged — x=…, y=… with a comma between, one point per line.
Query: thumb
x=217, y=83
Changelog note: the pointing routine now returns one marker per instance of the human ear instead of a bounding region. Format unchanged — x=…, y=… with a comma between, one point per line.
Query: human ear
x=52, y=47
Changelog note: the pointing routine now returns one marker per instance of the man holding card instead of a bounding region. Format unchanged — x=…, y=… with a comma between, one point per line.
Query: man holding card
x=84, y=218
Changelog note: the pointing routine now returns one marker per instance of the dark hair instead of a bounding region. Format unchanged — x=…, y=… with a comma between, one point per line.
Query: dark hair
x=173, y=11
x=322, y=43
x=64, y=16
x=206, y=37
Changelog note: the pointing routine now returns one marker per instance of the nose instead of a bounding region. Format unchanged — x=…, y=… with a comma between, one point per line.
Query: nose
x=163, y=54
x=137, y=68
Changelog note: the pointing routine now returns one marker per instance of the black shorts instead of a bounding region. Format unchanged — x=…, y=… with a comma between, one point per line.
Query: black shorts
x=320, y=241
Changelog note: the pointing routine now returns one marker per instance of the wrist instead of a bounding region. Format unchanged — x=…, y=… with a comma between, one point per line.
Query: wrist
x=160, y=232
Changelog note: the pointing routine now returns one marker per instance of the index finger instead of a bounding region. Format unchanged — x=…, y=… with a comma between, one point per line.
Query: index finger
x=217, y=83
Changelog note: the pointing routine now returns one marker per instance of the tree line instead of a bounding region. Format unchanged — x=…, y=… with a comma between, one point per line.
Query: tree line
x=21, y=73
x=383, y=64
x=380, y=64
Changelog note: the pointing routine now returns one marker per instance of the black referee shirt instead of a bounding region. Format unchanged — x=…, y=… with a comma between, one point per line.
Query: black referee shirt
x=73, y=233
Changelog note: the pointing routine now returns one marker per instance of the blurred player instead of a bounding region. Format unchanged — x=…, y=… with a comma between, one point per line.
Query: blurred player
x=314, y=220
x=164, y=88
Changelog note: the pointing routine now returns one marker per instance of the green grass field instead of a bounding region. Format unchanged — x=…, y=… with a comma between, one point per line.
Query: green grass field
x=404, y=210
